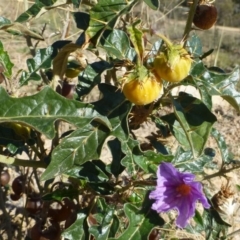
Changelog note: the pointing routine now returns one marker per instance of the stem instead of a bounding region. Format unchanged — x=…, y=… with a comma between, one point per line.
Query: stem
x=233, y=233
x=188, y=26
x=165, y=39
x=20, y=162
x=220, y=173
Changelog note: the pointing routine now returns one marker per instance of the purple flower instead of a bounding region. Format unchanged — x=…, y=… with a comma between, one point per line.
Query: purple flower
x=176, y=190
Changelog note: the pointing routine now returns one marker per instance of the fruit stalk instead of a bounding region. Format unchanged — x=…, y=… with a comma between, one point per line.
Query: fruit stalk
x=166, y=40
x=188, y=26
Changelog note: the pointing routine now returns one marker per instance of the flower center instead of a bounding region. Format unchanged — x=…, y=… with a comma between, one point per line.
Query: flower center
x=184, y=189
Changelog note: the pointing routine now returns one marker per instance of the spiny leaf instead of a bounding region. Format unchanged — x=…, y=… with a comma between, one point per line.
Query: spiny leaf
x=5, y=62
x=136, y=37
x=185, y=161
x=117, y=45
x=221, y=145
x=82, y=145
x=41, y=110
x=114, y=106
x=141, y=222
x=16, y=28
x=42, y=60
x=104, y=218
x=149, y=160
x=39, y=8
x=104, y=15
x=77, y=229
x=220, y=84
x=128, y=160
x=190, y=128
x=91, y=76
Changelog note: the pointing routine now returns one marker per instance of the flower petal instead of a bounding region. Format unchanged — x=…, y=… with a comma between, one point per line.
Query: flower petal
x=186, y=210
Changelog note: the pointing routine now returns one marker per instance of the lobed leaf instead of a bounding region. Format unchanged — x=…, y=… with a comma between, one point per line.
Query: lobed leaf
x=42, y=60
x=82, y=145
x=136, y=37
x=41, y=110
x=221, y=145
x=189, y=127
x=16, y=28
x=5, y=62
x=216, y=83
x=117, y=45
x=185, y=161
x=114, y=105
x=91, y=76
x=141, y=222
x=149, y=160
x=104, y=16
x=105, y=221
x=39, y=8
x=77, y=229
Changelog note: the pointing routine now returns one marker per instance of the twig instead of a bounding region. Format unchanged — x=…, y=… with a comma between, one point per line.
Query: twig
x=188, y=26
x=220, y=173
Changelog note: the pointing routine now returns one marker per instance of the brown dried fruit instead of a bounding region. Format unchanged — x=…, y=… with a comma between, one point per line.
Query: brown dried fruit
x=205, y=16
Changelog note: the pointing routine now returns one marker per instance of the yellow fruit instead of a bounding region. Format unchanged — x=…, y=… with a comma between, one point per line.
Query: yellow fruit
x=142, y=92
x=174, y=67
x=21, y=130
x=72, y=72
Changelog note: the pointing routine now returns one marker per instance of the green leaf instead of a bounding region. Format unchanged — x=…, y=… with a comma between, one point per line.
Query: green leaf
x=77, y=229
x=141, y=222
x=4, y=21
x=194, y=46
x=114, y=106
x=82, y=20
x=189, y=127
x=41, y=110
x=5, y=62
x=91, y=171
x=221, y=145
x=39, y=8
x=149, y=160
x=104, y=16
x=198, y=218
x=82, y=145
x=91, y=76
x=185, y=161
x=16, y=28
x=220, y=84
x=115, y=167
x=210, y=224
x=128, y=160
x=117, y=45
x=42, y=60
x=9, y=136
x=154, y=4
x=59, y=194
x=104, y=220
x=136, y=37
